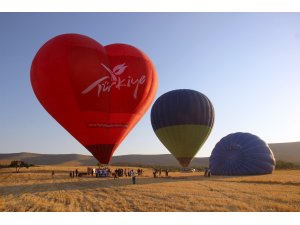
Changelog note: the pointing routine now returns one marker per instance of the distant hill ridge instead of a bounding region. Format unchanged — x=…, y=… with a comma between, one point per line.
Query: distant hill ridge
x=85, y=160
x=289, y=152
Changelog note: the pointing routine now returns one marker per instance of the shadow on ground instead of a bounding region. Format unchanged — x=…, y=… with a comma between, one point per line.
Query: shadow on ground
x=88, y=183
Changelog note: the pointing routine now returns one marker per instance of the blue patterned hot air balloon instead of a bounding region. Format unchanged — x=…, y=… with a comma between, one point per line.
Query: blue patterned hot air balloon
x=241, y=154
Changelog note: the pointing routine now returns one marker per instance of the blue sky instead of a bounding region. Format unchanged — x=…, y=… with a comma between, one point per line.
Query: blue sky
x=246, y=63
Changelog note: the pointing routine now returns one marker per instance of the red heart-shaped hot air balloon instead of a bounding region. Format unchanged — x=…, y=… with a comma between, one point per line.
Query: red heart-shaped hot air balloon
x=97, y=93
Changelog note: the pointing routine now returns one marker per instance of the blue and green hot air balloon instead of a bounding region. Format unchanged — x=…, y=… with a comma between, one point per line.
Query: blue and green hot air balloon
x=182, y=120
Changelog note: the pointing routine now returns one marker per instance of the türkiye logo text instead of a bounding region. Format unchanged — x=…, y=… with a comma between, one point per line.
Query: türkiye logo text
x=114, y=79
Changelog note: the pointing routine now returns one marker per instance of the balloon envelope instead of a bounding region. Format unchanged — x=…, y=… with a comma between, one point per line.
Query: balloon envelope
x=241, y=154
x=182, y=120
x=97, y=93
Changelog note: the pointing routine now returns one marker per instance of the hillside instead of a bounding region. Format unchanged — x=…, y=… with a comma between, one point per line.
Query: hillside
x=153, y=160
x=49, y=159
x=288, y=152
x=85, y=160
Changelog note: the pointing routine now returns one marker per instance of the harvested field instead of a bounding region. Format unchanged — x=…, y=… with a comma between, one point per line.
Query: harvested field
x=34, y=189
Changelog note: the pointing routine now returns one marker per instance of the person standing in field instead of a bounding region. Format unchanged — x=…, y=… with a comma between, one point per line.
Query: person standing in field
x=52, y=173
x=154, y=173
x=208, y=173
x=133, y=176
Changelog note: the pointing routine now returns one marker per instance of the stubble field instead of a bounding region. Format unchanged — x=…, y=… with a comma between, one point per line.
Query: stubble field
x=34, y=189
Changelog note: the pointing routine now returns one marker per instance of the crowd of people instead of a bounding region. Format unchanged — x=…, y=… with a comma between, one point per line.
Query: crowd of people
x=74, y=173
x=120, y=172
x=106, y=172
x=158, y=172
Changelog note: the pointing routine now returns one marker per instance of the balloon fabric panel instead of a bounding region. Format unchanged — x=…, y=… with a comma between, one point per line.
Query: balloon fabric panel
x=183, y=140
x=180, y=107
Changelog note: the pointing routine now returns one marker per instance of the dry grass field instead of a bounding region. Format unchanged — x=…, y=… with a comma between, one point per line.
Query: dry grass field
x=34, y=189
